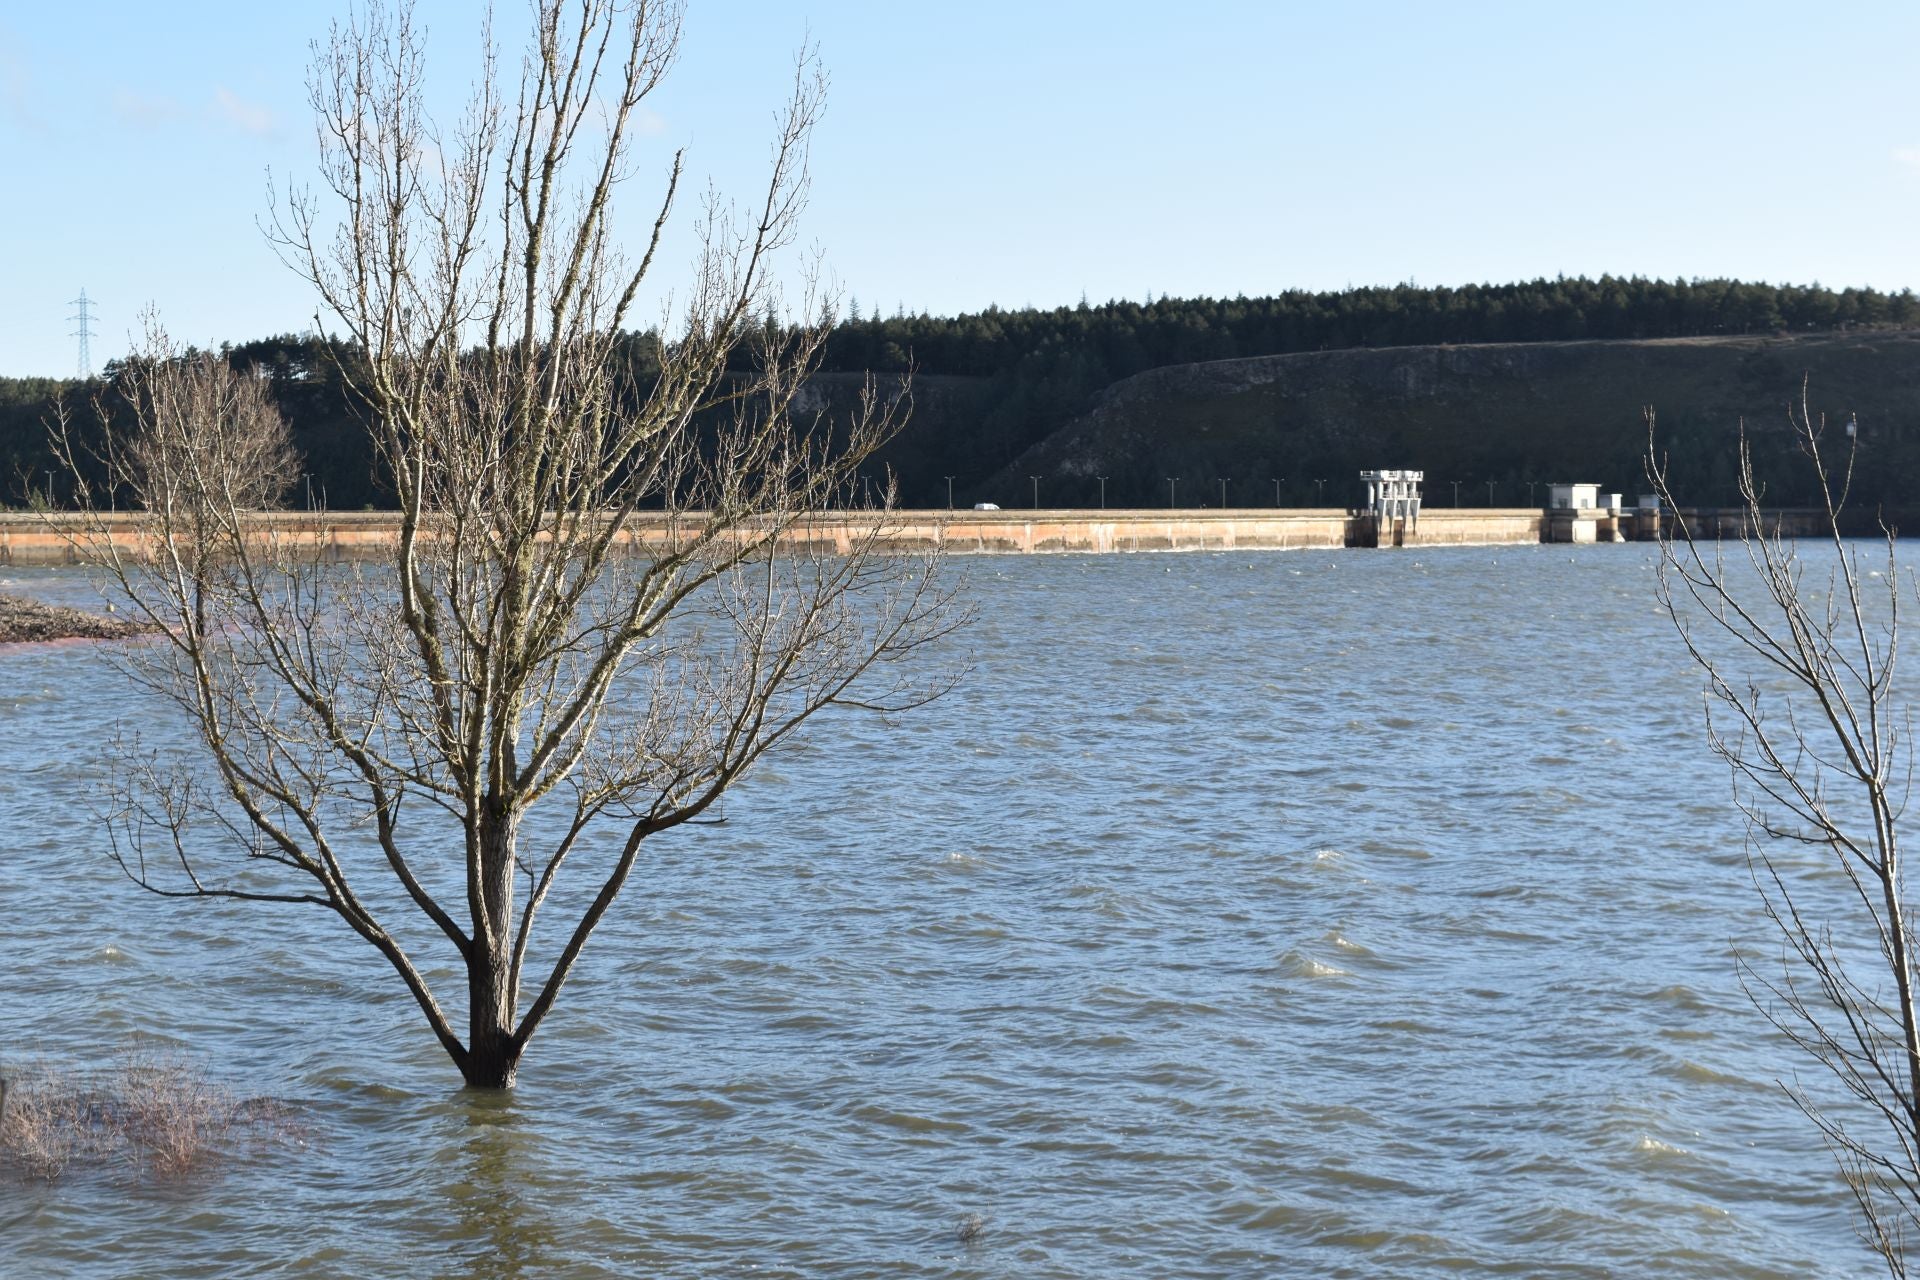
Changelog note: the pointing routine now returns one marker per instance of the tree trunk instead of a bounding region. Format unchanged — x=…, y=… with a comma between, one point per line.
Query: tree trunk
x=492, y=1056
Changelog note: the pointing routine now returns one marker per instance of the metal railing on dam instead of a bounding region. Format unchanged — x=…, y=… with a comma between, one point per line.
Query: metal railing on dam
x=40, y=538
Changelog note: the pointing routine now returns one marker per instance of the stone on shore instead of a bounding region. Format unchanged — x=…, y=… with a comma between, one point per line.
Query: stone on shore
x=27, y=621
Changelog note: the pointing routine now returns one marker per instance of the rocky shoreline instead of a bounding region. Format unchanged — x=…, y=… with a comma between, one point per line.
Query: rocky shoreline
x=24, y=621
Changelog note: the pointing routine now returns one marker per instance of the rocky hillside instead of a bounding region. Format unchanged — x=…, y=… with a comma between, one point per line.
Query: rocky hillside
x=1509, y=413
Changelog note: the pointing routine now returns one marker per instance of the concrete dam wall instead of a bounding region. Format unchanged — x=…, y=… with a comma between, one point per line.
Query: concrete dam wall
x=56, y=538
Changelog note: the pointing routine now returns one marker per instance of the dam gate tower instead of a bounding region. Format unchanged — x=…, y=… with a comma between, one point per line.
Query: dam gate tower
x=1392, y=509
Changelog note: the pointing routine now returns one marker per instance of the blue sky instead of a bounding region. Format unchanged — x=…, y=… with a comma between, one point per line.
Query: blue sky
x=1031, y=152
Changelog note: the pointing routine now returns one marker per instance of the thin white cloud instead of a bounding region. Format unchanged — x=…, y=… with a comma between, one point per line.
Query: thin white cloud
x=16, y=83
x=248, y=117
x=1907, y=158
x=143, y=110
x=227, y=110
x=645, y=122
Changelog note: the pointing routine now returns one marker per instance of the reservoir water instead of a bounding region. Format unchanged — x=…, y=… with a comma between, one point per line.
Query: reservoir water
x=1315, y=913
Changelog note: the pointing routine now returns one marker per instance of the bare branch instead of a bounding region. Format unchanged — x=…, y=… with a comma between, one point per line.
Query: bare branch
x=426, y=741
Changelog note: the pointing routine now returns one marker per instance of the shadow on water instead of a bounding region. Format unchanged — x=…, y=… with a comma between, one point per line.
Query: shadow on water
x=500, y=1227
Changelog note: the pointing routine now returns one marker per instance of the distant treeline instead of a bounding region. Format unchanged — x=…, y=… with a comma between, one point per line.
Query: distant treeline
x=306, y=383
x=996, y=382
x=1118, y=339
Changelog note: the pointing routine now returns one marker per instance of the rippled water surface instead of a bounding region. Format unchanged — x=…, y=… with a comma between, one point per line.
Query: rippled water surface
x=1343, y=914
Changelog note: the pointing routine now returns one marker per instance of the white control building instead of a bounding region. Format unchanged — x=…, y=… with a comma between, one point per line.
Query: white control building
x=1580, y=497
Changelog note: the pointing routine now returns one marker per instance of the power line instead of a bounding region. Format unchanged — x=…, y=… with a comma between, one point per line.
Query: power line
x=83, y=316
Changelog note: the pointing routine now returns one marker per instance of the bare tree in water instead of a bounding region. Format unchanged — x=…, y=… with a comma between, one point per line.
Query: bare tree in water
x=469, y=747
x=1800, y=668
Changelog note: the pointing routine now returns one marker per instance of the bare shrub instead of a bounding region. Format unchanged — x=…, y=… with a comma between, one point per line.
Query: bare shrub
x=42, y=1127
x=147, y=1114
x=206, y=438
x=1803, y=708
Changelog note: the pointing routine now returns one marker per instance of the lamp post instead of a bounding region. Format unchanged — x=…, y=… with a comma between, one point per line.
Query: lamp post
x=1223, y=493
x=1530, y=487
x=1319, y=492
x=1276, y=491
x=1036, y=491
x=1171, y=481
x=1489, y=493
x=949, y=480
x=1103, y=491
x=1456, y=493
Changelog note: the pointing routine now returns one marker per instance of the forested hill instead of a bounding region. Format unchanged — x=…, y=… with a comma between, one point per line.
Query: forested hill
x=1000, y=393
